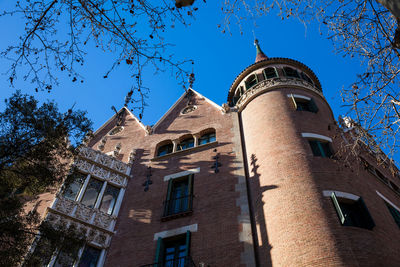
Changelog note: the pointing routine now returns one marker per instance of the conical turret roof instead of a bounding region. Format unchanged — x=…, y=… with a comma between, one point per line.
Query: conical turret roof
x=260, y=54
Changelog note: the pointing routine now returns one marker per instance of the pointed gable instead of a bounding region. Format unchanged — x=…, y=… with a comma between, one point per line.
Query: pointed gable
x=190, y=113
x=122, y=129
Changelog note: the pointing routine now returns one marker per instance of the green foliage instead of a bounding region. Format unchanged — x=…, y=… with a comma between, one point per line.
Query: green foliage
x=37, y=145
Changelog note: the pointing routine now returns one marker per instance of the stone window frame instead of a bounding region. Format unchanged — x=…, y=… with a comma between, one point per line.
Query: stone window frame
x=100, y=196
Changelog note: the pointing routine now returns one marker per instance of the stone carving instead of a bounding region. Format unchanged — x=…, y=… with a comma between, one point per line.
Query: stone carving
x=105, y=160
x=88, y=153
x=120, y=166
x=225, y=108
x=103, y=220
x=266, y=84
x=84, y=213
x=83, y=165
x=102, y=143
x=117, y=179
x=117, y=149
x=100, y=172
x=132, y=156
x=64, y=205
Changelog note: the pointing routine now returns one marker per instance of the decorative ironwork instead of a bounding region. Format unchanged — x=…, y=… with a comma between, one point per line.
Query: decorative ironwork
x=148, y=182
x=216, y=164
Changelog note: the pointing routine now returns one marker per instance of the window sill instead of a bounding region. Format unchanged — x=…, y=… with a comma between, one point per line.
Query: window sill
x=177, y=215
x=192, y=149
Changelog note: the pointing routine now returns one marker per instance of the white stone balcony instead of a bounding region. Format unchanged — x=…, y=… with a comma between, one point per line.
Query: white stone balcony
x=82, y=213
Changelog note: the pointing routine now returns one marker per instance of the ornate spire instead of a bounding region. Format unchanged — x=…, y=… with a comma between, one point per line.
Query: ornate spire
x=260, y=54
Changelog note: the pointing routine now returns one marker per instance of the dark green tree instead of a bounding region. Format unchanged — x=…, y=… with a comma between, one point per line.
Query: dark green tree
x=37, y=145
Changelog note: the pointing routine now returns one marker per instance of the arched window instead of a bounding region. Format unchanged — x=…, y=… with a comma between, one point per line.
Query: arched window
x=207, y=138
x=186, y=143
x=290, y=72
x=270, y=73
x=165, y=149
x=305, y=77
x=251, y=81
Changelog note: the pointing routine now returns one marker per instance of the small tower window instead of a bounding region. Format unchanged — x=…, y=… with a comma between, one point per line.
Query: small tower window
x=321, y=148
x=290, y=72
x=270, y=73
x=165, y=149
x=306, y=78
x=185, y=144
x=251, y=81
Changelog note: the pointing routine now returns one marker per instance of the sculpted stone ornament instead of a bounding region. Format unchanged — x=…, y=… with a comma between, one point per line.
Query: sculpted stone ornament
x=225, y=108
x=271, y=83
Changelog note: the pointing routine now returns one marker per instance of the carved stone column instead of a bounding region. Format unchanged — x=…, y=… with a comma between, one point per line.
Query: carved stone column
x=175, y=142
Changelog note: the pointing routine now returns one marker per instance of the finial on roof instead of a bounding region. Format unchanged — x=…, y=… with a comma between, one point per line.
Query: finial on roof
x=260, y=54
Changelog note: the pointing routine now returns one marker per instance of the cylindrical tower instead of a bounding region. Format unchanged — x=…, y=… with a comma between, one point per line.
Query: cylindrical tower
x=286, y=128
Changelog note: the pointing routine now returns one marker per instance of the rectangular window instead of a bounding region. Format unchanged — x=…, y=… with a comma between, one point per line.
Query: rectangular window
x=179, y=196
x=302, y=104
x=352, y=212
x=73, y=185
x=92, y=193
x=90, y=257
x=320, y=148
x=395, y=213
x=174, y=251
x=109, y=199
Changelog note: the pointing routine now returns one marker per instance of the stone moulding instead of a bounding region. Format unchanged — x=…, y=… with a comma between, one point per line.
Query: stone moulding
x=102, y=159
x=94, y=235
x=80, y=212
x=270, y=84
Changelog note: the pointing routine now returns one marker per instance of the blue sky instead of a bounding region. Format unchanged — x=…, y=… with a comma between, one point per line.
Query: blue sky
x=218, y=57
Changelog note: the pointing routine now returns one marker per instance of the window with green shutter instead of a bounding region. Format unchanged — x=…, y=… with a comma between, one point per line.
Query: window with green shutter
x=179, y=196
x=352, y=212
x=173, y=251
x=303, y=104
x=395, y=213
x=321, y=148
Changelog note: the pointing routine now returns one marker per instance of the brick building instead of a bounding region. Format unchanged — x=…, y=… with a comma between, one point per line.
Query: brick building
x=255, y=182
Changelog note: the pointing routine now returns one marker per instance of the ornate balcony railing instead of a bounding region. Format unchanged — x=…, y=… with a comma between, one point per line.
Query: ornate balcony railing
x=84, y=214
x=177, y=206
x=177, y=262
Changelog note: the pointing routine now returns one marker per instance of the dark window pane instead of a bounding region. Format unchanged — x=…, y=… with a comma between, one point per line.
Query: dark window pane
x=315, y=148
x=305, y=77
x=395, y=214
x=64, y=259
x=251, y=81
x=291, y=72
x=72, y=190
x=270, y=73
x=91, y=193
x=207, y=138
x=89, y=257
x=109, y=199
x=320, y=149
x=165, y=149
x=185, y=144
x=174, y=253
